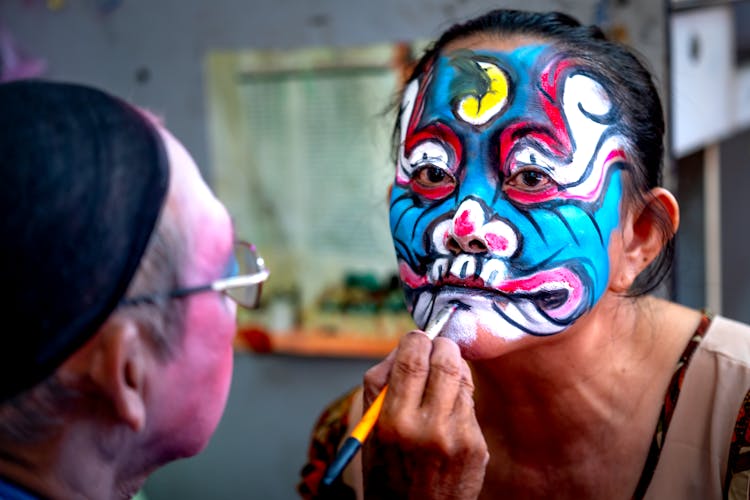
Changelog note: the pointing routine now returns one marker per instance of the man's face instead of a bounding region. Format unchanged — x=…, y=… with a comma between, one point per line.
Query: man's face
x=195, y=382
x=508, y=186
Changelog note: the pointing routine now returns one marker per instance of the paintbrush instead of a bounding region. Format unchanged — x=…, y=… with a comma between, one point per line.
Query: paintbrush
x=354, y=442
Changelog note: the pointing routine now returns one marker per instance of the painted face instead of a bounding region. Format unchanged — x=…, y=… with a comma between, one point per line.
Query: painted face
x=194, y=383
x=508, y=186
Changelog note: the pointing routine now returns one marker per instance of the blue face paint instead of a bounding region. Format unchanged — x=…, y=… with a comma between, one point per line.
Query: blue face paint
x=507, y=189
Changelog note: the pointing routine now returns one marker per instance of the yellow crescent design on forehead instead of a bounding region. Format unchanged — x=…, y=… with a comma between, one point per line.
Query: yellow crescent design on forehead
x=478, y=110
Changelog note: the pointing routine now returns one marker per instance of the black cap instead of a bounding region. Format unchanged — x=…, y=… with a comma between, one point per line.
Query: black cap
x=83, y=177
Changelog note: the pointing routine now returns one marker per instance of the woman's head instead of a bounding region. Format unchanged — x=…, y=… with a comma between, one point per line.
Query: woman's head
x=523, y=139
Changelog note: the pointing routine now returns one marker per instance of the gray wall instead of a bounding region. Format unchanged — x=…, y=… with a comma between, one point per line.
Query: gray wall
x=689, y=266
x=261, y=441
x=690, y=279
x=735, y=180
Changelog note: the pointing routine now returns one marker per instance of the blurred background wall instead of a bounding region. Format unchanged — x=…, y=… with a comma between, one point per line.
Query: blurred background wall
x=153, y=54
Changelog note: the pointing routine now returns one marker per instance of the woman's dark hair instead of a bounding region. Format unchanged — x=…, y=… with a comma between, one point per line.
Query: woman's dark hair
x=631, y=88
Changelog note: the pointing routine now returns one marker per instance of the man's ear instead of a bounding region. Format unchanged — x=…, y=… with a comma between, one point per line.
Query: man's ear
x=116, y=362
x=646, y=232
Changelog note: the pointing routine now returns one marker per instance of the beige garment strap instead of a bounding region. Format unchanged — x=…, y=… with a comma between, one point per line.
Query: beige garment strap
x=692, y=464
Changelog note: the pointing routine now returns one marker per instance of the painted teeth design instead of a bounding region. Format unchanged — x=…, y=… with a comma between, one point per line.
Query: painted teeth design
x=439, y=270
x=464, y=266
x=493, y=272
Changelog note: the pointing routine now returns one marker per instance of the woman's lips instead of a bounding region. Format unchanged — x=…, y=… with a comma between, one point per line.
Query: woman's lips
x=557, y=292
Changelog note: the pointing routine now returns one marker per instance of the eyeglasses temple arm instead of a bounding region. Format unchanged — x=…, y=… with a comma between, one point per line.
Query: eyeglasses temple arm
x=239, y=281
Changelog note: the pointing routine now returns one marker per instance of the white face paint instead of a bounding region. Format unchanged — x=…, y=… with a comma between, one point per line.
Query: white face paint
x=475, y=314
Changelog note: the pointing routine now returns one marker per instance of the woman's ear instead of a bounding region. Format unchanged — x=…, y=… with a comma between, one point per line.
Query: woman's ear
x=645, y=233
x=115, y=364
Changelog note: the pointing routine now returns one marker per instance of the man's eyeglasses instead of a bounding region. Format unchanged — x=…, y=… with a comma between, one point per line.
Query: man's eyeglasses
x=242, y=283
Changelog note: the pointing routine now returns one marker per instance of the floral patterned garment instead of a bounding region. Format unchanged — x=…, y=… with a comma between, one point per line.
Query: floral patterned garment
x=330, y=431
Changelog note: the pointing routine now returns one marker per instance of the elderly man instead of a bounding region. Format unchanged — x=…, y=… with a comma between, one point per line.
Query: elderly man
x=121, y=274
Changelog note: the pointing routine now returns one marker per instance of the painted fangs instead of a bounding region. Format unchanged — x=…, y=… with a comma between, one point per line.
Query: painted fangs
x=439, y=270
x=493, y=272
x=464, y=266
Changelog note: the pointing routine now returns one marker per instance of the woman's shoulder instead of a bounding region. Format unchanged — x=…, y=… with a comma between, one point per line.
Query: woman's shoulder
x=723, y=336
x=715, y=335
x=728, y=341
x=725, y=329
x=713, y=384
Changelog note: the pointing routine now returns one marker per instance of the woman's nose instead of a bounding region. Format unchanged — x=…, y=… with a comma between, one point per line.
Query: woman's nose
x=471, y=232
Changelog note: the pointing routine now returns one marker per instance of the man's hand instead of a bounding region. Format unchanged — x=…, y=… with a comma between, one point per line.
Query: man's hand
x=427, y=443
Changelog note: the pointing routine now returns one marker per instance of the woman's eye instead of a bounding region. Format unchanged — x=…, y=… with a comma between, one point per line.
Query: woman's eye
x=429, y=172
x=530, y=179
x=430, y=176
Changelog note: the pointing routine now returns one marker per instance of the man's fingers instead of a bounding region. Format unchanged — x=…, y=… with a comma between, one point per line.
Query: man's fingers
x=464, y=402
x=409, y=373
x=444, y=381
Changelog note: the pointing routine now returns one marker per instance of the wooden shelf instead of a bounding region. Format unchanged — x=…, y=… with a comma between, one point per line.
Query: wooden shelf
x=313, y=343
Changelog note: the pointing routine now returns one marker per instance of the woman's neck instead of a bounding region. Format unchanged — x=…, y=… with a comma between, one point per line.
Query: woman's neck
x=606, y=373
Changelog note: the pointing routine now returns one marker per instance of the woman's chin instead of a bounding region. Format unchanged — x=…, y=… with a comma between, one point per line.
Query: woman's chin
x=489, y=345
x=482, y=333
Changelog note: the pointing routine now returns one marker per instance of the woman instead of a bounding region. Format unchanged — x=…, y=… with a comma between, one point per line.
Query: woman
x=529, y=152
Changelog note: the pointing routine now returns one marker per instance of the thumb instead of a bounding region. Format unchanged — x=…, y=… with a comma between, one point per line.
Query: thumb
x=376, y=378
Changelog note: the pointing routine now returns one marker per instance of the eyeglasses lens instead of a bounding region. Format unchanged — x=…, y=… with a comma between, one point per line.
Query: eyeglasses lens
x=248, y=263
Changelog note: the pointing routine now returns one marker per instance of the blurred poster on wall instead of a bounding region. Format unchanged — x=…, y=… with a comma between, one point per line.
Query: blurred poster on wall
x=301, y=156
